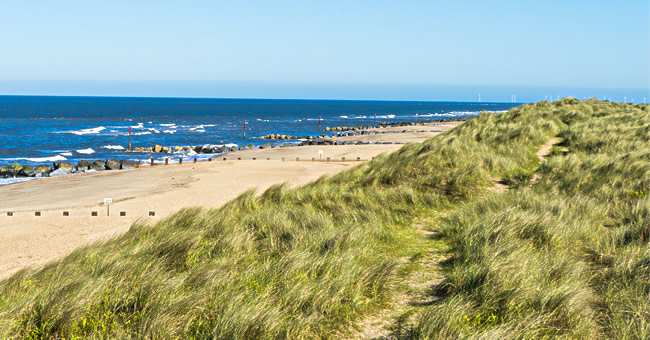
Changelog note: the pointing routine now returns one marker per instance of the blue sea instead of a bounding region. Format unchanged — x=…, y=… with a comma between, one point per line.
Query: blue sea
x=42, y=129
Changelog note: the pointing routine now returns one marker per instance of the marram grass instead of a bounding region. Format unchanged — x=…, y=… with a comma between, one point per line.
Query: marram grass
x=564, y=256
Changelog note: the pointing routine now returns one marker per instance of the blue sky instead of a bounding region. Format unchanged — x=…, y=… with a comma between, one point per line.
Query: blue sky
x=411, y=50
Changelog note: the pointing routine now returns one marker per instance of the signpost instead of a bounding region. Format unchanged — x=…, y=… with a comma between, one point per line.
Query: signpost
x=108, y=202
x=320, y=154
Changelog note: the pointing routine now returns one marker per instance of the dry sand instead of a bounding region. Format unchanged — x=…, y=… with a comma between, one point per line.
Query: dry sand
x=29, y=240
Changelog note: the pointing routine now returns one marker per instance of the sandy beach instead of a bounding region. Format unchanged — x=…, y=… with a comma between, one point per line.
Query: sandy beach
x=29, y=240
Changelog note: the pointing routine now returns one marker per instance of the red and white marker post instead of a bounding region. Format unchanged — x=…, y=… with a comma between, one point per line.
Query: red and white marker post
x=244, y=129
x=129, y=139
x=375, y=121
x=319, y=123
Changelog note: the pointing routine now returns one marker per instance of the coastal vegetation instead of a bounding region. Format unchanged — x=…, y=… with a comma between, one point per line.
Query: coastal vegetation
x=525, y=247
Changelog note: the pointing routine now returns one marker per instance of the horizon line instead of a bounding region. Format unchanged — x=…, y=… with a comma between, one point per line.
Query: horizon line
x=257, y=98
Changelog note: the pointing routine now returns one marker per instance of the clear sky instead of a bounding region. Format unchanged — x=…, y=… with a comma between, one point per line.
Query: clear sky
x=413, y=50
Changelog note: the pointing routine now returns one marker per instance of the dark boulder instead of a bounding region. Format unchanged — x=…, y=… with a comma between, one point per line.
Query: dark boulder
x=84, y=165
x=26, y=171
x=127, y=164
x=98, y=165
x=112, y=164
x=265, y=146
x=64, y=166
x=9, y=170
x=42, y=171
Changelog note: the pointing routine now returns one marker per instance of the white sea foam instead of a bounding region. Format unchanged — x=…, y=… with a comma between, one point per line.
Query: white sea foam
x=353, y=117
x=6, y=181
x=200, y=128
x=66, y=154
x=142, y=133
x=86, y=151
x=168, y=125
x=88, y=131
x=139, y=126
x=113, y=147
x=171, y=132
x=386, y=116
x=44, y=159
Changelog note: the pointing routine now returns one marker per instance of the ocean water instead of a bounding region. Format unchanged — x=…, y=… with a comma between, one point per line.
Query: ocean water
x=40, y=130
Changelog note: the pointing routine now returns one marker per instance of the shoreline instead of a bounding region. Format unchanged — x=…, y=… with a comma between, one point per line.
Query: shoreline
x=30, y=240
x=369, y=136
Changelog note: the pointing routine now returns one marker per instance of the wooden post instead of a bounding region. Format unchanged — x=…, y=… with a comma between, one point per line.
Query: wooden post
x=151, y=161
x=244, y=130
x=180, y=161
x=166, y=160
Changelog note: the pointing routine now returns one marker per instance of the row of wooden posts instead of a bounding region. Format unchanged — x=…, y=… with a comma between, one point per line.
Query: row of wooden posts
x=92, y=213
x=180, y=160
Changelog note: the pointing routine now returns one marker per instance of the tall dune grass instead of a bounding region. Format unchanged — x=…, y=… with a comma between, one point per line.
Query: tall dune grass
x=565, y=256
